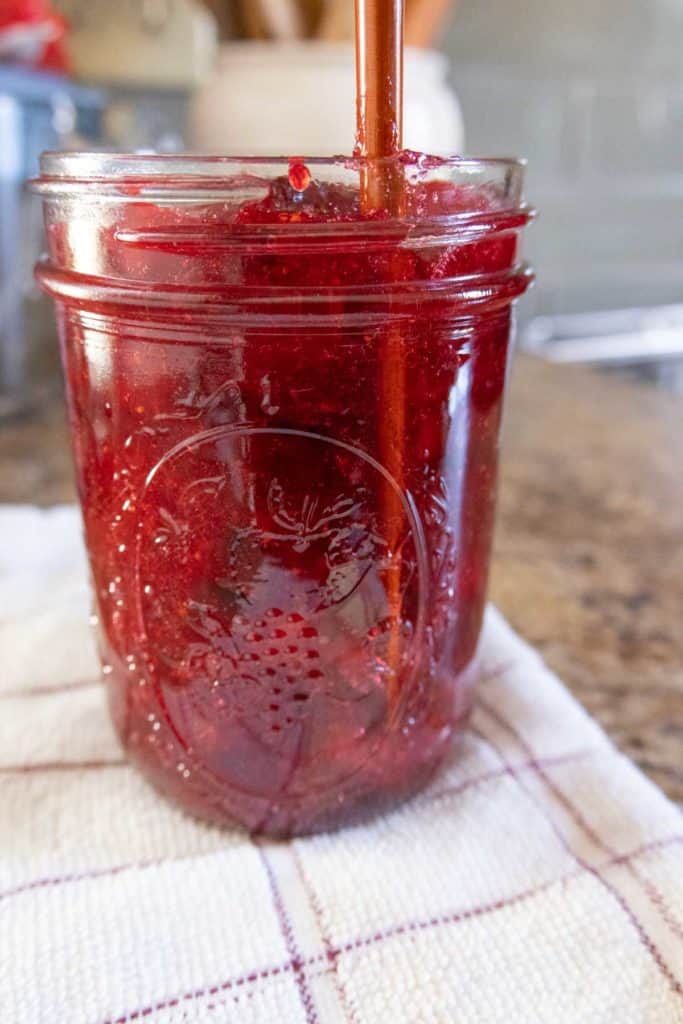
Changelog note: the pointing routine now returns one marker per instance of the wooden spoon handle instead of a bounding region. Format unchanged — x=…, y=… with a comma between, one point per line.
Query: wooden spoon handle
x=424, y=21
x=337, y=22
x=283, y=19
x=252, y=19
x=312, y=11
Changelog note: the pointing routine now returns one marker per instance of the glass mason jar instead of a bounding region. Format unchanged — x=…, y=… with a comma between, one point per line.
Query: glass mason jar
x=285, y=411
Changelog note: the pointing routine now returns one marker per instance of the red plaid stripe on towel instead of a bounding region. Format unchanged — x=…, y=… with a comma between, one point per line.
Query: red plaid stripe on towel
x=538, y=880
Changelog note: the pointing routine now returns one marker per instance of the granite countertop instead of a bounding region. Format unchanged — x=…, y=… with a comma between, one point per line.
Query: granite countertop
x=589, y=552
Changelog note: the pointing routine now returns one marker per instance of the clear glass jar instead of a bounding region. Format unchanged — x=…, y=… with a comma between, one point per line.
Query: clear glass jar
x=285, y=411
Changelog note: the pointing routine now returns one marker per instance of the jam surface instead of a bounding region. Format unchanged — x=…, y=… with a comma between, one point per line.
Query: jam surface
x=288, y=507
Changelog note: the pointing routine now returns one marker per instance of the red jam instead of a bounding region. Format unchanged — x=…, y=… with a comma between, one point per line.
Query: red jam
x=286, y=451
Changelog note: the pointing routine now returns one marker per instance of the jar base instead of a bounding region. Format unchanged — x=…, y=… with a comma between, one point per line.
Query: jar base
x=293, y=818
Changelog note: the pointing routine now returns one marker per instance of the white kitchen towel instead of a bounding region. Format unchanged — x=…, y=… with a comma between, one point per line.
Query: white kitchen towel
x=538, y=880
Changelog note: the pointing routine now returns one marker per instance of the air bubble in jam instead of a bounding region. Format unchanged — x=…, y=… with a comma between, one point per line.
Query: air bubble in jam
x=289, y=638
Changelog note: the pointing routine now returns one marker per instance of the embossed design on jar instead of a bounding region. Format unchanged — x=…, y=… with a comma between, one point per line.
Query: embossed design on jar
x=269, y=647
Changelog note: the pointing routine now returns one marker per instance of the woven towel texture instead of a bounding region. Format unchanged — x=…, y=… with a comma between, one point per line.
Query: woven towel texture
x=538, y=880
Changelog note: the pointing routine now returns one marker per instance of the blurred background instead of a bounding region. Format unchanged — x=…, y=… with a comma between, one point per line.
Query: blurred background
x=591, y=93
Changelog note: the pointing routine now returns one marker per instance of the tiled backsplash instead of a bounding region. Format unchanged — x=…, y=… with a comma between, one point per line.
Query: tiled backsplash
x=592, y=94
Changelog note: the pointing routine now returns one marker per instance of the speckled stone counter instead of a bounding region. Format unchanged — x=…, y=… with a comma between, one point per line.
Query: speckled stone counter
x=589, y=551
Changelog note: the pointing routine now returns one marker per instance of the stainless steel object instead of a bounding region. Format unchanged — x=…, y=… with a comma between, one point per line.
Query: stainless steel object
x=37, y=112
x=646, y=341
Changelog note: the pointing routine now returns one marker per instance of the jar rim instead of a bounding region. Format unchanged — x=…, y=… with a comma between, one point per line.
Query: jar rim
x=186, y=176
x=84, y=185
